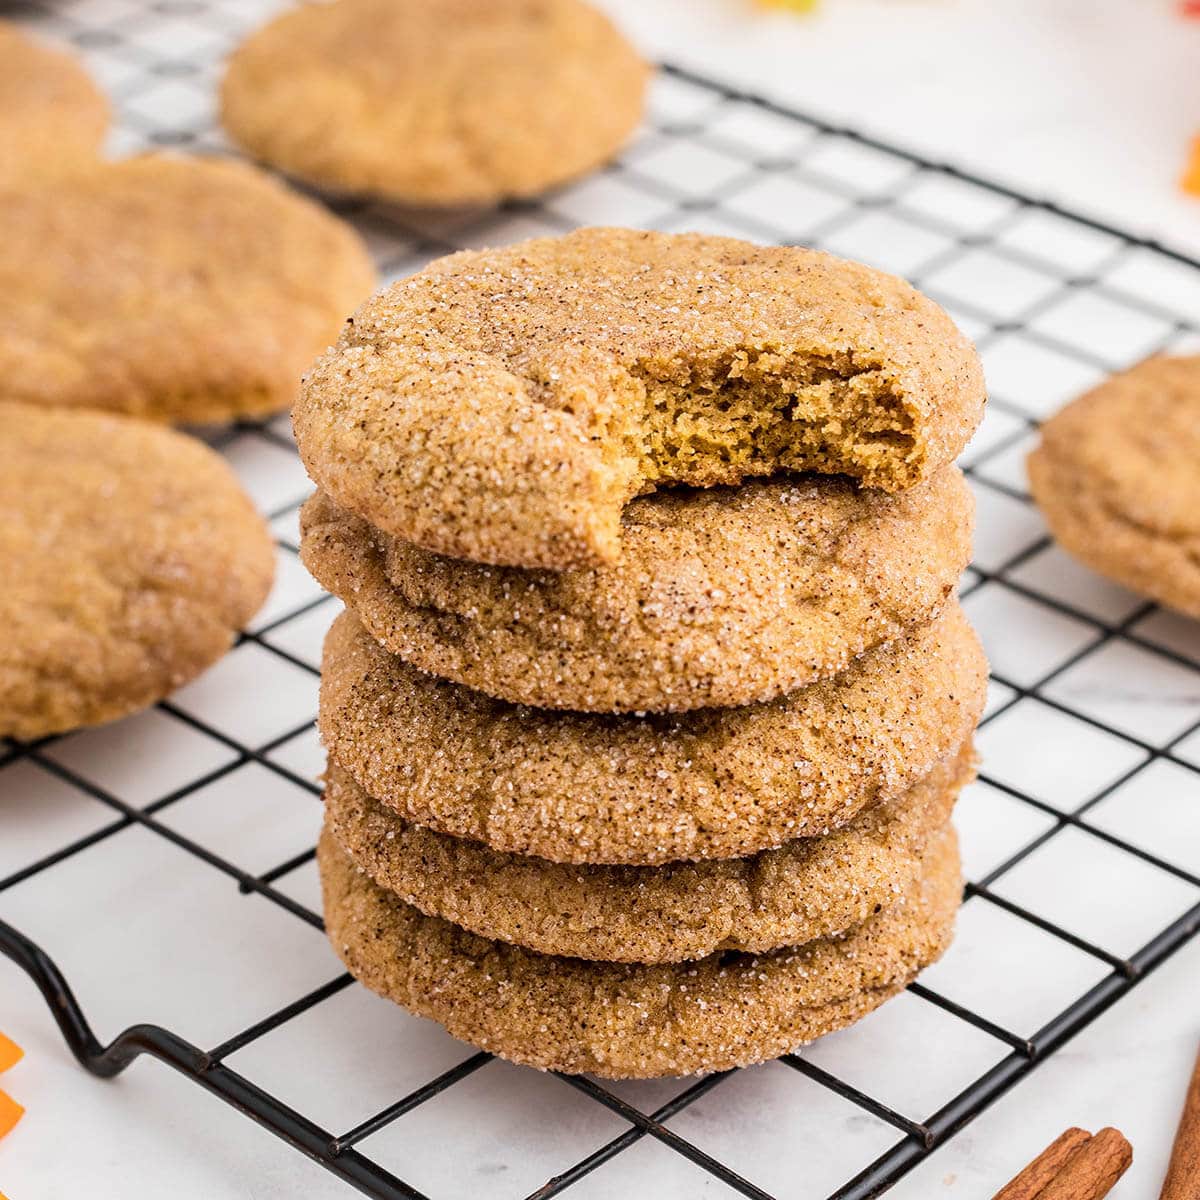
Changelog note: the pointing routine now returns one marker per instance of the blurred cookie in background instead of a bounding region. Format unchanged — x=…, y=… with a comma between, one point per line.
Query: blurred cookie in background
x=1116, y=476
x=178, y=289
x=131, y=557
x=435, y=102
x=53, y=118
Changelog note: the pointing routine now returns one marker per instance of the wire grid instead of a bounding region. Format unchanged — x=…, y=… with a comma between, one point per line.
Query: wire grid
x=1092, y=731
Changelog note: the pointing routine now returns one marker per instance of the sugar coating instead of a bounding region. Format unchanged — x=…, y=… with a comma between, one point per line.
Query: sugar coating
x=53, y=118
x=178, y=289
x=1116, y=475
x=721, y=596
x=805, y=889
x=504, y=405
x=628, y=1020
x=435, y=102
x=714, y=783
x=131, y=555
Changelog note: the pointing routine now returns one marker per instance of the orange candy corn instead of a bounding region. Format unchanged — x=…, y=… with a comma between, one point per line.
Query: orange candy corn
x=1191, y=173
x=10, y=1053
x=10, y=1111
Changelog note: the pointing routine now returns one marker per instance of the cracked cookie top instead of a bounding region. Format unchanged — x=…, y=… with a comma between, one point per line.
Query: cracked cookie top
x=1116, y=477
x=131, y=556
x=435, y=102
x=621, y=1020
x=807, y=888
x=505, y=405
x=722, y=596
x=714, y=783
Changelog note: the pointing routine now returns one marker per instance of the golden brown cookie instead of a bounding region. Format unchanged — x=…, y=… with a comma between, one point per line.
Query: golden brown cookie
x=625, y=1020
x=53, y=118
x=131, y=556
x=808, y=888
x=504, y=405
x=1117, y=478
x=435, y=102
x=714, y=783
x=180, y=289
x=721, y=596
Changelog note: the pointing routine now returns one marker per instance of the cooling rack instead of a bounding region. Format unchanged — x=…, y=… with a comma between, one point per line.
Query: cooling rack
x=167, y=860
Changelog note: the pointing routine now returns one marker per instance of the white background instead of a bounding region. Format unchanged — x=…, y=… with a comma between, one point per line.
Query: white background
x=1091, y=102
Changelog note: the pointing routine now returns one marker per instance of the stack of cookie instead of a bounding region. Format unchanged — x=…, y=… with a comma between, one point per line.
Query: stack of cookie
x=652, y=697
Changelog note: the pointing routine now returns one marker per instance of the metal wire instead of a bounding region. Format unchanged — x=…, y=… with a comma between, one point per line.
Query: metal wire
x=402, y=241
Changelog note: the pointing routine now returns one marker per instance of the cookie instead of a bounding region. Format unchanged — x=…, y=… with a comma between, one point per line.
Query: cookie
x=178, y=289
x=714, y=783
x=504, y=405
x=806, y=889
x=625, y=1020
x=53, y=118
x=435, y=102
x=131, y=556
x=721, y=596
x=1116, y=478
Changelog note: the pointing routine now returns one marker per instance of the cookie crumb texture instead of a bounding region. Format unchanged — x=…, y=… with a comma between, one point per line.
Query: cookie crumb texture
x=634, y=1021
x=435, y=102
x=805, y=889
x=721, y=596
x=714, y=783
x=131, y=556
x=53, y=118
x=505, y=405
x=179, y=289
x=1117, y=477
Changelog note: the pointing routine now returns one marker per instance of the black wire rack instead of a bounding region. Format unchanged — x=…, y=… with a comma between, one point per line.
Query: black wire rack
x=1094, y=715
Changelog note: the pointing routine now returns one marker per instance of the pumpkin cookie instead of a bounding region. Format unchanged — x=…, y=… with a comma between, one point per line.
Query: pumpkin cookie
x=721, y=596
x=1117, y=480
x=53, y=118
x=625, y=1020
x=131, y=556
x=808, y=888
x=714, y=783
x=435, y=102
x=504, y=405
x=178, y=289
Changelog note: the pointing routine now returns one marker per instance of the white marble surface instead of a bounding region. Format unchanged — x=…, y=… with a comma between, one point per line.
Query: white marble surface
x=1129, y=1069
x=1085, y=101
x=1089, y=102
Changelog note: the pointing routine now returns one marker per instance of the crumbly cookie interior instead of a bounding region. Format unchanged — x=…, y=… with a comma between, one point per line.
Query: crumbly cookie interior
x=754, y=412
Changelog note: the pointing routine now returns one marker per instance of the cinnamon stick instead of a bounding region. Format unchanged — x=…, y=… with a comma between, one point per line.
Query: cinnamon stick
x=1092, y=1169
x=1183, y=1173
x=1029, y=1183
